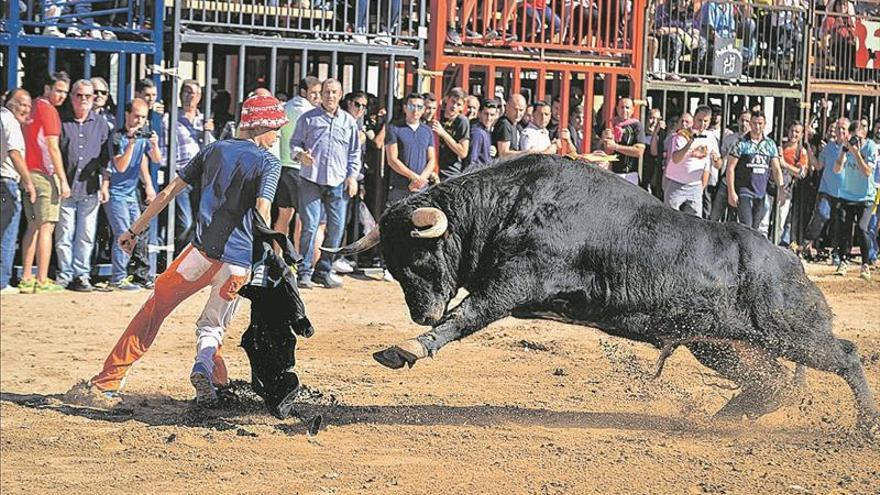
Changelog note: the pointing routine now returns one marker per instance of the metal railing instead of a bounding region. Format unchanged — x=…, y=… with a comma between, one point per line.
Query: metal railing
x=382, y=22
x=844, y=44
x=127, y=20
x=723, y=41
x=598, y=27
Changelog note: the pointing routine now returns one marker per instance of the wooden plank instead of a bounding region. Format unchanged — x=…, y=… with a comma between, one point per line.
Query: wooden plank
x=239, y=8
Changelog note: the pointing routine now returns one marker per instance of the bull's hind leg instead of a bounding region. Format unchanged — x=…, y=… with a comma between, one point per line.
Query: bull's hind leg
x=764, y=383
x=841, y=357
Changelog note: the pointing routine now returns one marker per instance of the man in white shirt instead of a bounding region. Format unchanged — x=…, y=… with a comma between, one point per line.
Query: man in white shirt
x=13, y=171
x=535, y=138
x=693, y=154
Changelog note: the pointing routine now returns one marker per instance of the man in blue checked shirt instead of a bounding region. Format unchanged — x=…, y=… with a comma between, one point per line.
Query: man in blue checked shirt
x=326, y=143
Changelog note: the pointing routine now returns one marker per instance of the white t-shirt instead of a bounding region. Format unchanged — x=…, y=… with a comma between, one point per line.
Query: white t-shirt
x=11, y=139
x=696, y=161
x=534, y=139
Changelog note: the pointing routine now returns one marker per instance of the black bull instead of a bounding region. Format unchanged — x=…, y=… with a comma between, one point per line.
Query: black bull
x=551, y=238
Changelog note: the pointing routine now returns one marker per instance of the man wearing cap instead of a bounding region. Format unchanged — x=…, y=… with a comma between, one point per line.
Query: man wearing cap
x=238, y=176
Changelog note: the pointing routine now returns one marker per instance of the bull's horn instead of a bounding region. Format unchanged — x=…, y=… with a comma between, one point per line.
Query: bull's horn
x=433, y=218
x=366, y=242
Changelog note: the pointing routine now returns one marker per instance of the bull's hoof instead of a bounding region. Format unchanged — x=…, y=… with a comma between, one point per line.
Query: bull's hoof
x=395, y=358
x=752, y=403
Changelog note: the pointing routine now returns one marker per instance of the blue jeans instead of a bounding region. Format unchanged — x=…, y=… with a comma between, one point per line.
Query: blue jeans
x=826, y=210
x=334, y=201
x=750, y=211
x=539, y=17
x=872, y=232
x=75, y=237
x=183, y=218
x=121, y=213
x=10, y=233
x=363, y=14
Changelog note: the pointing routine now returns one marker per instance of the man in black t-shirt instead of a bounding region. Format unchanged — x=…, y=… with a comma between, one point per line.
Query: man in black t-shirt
x=625, y=139
x=453, y=133
x=506, y=133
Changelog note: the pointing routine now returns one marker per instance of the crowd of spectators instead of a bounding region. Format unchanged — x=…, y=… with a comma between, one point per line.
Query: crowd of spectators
x=62, y=166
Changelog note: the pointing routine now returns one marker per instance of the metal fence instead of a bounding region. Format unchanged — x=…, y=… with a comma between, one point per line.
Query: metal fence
x=383, y=22
x=598, y=27
x=727, y=42
x=127, y=20
x=846, y=46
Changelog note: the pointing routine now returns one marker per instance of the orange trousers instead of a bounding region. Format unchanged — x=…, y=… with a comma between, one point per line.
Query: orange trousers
x=188, y=274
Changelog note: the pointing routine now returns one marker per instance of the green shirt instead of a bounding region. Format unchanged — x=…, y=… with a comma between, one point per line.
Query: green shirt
x=294, y=109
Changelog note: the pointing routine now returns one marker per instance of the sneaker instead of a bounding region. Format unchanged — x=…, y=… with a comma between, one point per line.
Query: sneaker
x=328, y=280
x=305, y=283
x=342, y=266
x=27, y=286
x=108, y=35
x=473, y=35
x=47, y=287
x=200, y=378
x=73, y=32
x=508, y=37
x=865, y=272
x=127, y=285
x=383, y=38
x=53, y=31
x=491, y=35
x=80, y=285
x=9, y=290
x=95, y=34
x=841, y=269
x=452, y=37
x=359, y=39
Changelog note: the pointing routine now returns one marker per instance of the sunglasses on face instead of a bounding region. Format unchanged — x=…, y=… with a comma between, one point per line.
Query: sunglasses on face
x=358, y=105
x=101, y=92
x=412, y=107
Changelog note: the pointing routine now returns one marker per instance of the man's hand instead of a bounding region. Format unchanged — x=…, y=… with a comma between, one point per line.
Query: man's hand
x=351, y=186
x=65, y=190
x=732, y=198
x=127, y=241
x=159, y=107
x=417, y=183
x=150, y=194
x=306, y=158
x=154, y=140
x=209, y=125
x=104, y=194
x=31, y=191
x=437, y=127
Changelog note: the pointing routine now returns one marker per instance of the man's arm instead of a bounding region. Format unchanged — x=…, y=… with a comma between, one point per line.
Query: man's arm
x=432, y=161
x=396, y=165
x=123, y=160
x=679, y=155
x=147, y=180
x=128, y=239
x=732, y=198
x=23, y=171
x=264, y=208
x=634, y=151
x=841, y=159
x=52, y=143
x=777, y=171
x=154, y=153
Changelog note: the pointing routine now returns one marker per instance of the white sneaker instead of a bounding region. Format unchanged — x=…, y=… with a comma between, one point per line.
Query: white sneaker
x=9, y=290
x=95, y=34
x=73, y=32
x=359, y=39
x=53, y=31
x=108, y=35
x=388, y=277
x=342, y=266
x=383, y=38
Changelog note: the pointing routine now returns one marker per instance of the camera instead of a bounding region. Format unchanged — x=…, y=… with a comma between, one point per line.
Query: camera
x=855, y=141
x=143, y=133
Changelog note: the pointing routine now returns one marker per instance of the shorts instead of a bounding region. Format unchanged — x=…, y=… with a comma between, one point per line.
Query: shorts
x=287, y=194
x=47, y=209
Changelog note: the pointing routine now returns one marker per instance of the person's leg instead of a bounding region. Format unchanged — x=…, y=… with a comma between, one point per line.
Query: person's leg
x=187, y=275
x=282, y=223
x=863, y=231
x=10, y=232
x=872, y=233
x=361, y=16
x=183, y=218
x=310, y=213
x=335, y=200
x=744, y=211
x=764, y=222
x=781, y=221
x=117, y=216
x=29, y=250
x=84, y=240
x=759, y=211
x=44, y=250
x=215, y=317
x=845, y=229
x=821, y=215
x=719, y=202
x=64, y=241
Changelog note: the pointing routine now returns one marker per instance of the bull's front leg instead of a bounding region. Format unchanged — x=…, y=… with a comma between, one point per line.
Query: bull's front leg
x=474, y=313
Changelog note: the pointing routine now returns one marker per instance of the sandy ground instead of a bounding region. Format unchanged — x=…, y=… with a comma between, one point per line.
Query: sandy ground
x=521, y=407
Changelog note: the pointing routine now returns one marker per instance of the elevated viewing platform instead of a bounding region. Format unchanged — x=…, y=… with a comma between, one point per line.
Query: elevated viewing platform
x=368, y=26
x=845, y=53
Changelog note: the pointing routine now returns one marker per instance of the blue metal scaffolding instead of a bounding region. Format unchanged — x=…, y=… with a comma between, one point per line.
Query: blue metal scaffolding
x=135, y=31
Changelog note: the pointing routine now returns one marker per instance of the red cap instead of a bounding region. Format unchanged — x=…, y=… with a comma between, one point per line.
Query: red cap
x=262, y=111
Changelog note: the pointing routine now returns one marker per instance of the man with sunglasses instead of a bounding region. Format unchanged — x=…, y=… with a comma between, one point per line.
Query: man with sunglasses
x=409, y=149
x=85, y=153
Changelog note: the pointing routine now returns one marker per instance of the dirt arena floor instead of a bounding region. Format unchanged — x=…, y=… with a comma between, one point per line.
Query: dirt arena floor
x=522, y=407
